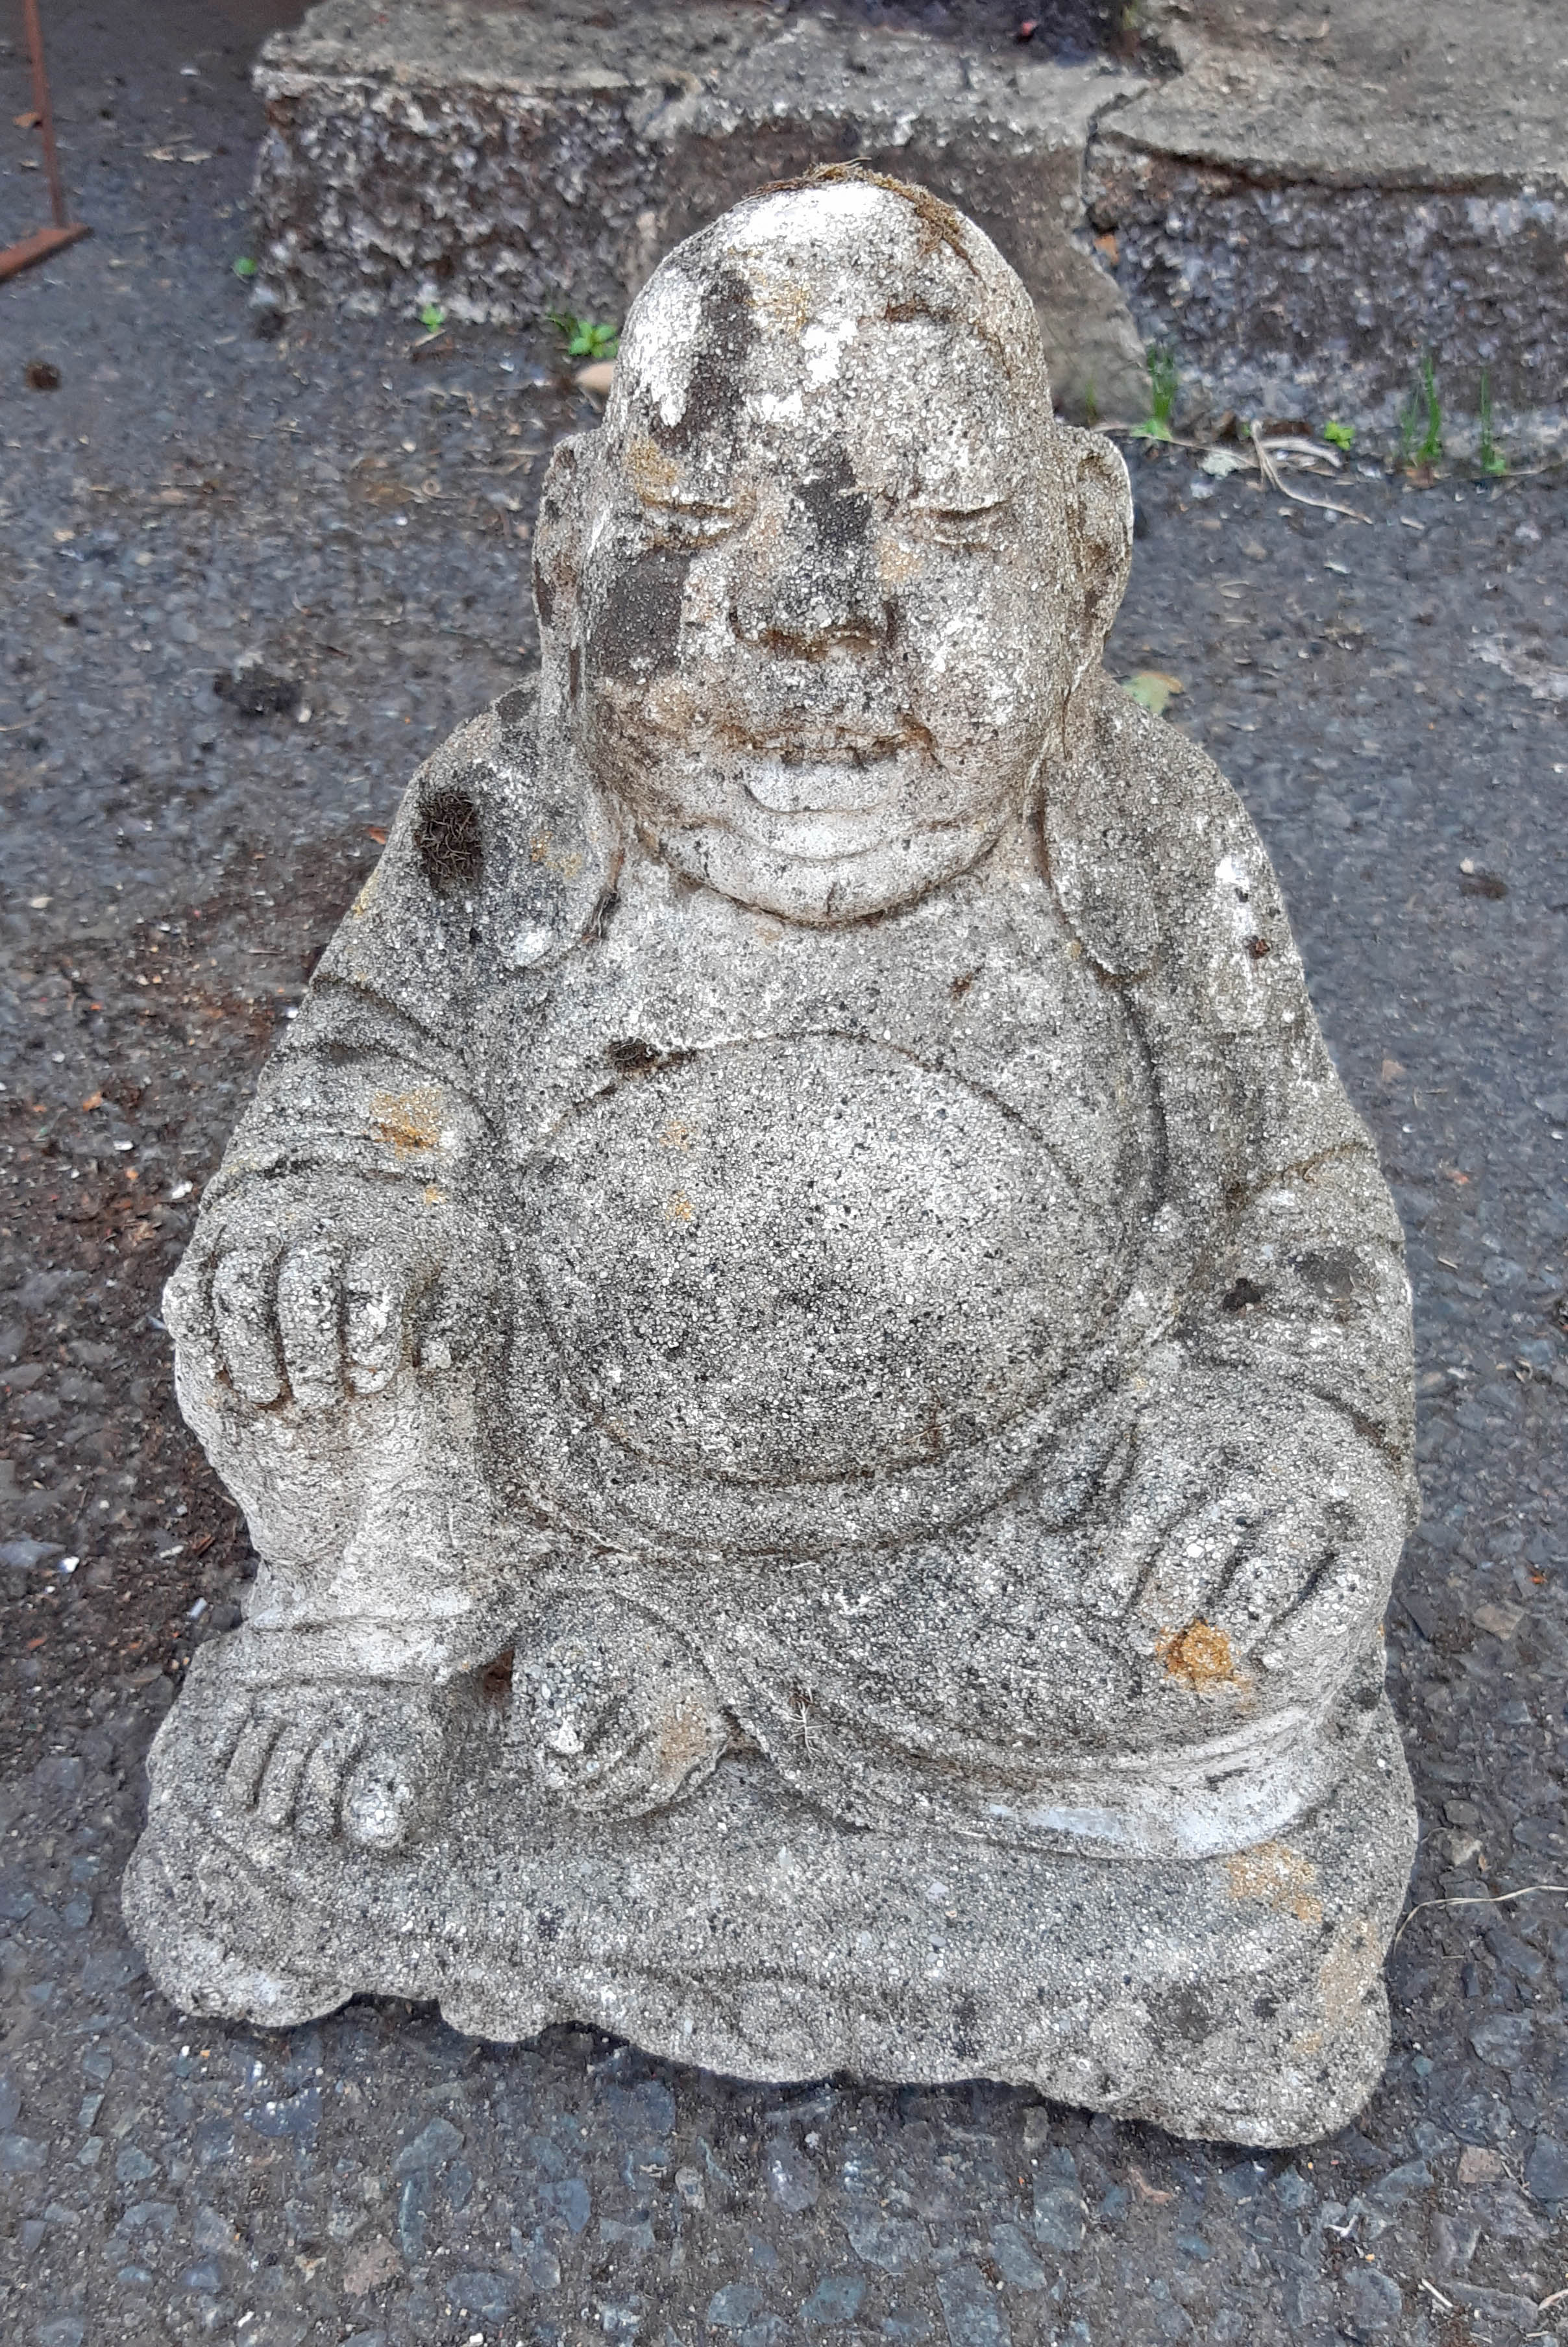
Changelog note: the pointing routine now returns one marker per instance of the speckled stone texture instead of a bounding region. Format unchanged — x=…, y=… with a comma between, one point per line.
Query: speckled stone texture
x=1312, y=204
x=504, y=161
x=816, y=1358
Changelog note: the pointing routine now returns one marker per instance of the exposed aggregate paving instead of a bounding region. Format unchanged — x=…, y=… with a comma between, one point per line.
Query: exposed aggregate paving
x=193, y=495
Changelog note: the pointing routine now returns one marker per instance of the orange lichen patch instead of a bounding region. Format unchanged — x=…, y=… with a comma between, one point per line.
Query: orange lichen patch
x=408, y=1121
x=782, y=303
x=676, y=1135
x=1200, y=1656
x=542, y=849
x=1279, y=1876
x=651, y=473
x=679, y=1209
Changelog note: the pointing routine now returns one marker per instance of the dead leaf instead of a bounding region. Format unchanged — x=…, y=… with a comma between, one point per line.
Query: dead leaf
x=28, y=121
x=93, y=1100
x=1391, y=1069
x=1147, y=2191
x=1153, y=688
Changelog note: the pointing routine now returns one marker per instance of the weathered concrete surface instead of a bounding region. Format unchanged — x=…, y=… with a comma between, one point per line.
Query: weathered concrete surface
x=803, y=1325
x=1323, y=194
x=505, y=162
x=1298, y=201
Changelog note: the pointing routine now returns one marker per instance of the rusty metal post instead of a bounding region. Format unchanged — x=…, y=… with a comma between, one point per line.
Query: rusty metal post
x=63, y=229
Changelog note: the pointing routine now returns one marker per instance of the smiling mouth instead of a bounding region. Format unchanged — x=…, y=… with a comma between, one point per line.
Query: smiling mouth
x=831, y=770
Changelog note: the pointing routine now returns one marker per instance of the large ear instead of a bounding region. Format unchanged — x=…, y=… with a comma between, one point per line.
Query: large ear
x=557, y=534
x=1098, y=497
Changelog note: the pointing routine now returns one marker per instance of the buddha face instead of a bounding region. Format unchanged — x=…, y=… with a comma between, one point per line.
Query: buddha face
x=824, y=599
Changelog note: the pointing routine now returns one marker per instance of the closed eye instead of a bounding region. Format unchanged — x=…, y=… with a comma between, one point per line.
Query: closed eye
x=968, y=525
x=691, y=521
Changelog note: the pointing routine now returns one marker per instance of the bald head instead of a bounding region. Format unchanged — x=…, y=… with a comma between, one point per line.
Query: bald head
x=826, y=555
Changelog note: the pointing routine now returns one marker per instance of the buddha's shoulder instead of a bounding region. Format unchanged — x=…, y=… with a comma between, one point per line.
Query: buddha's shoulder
x=1153, y=855
x=497, y=858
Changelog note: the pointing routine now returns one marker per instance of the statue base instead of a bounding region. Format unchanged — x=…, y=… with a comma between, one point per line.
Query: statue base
x=1239, y=1997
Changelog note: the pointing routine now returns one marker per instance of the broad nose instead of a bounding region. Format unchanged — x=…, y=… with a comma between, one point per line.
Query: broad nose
x=812, y=585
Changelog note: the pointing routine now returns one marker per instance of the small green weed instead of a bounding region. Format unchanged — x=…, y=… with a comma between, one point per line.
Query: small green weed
x=1421, y=421
x=244, y=267
x=1152, y=688
x=433, y=317
x=1340, y=436
x=583, y=338
x=1161, y=397
x=1489, y=455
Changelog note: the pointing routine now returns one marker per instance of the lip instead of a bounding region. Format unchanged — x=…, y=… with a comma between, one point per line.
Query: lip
x=810, y=783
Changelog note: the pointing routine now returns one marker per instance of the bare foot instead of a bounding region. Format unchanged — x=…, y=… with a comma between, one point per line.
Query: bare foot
x=327, y=1760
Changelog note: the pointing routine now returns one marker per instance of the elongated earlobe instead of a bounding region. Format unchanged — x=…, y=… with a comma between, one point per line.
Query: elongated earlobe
x=558, y=535
x=1099, y=502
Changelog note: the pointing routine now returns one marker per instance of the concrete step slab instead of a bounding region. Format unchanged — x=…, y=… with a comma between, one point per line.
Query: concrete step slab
x=1299, y=199
x=1325, y=192
x=508, y=161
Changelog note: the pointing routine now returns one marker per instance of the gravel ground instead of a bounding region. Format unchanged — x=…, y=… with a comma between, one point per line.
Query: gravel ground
x=192, y=496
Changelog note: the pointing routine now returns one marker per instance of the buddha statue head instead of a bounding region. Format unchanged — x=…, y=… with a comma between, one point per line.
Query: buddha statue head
x=818, y=597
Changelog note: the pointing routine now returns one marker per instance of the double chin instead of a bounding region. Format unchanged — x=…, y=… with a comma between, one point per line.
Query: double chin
x=825, y=869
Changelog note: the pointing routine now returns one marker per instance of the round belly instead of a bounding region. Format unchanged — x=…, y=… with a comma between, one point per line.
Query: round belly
x=794, y=1261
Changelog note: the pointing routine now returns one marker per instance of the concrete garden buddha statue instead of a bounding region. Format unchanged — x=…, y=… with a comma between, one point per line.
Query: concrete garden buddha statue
x=818, y=1363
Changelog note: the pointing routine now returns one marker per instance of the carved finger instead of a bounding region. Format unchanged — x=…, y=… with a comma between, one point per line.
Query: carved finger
x=188, y=1314
x=252, y=1753
x=1197, y=1562
x=243, y=1313
x=281, y=1777
x=375, y=1307
x=235, y=1720
x=321, y=1782
x=310, y=1320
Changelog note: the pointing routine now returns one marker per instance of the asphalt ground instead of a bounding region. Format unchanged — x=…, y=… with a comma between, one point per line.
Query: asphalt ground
x=1390, y=699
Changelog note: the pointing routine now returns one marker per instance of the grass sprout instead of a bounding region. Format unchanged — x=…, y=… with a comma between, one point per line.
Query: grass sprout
x=1161, y=397
x=584, y=337
x=1489, y=455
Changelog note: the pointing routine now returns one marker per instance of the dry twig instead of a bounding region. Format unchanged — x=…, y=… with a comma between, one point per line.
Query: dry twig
x=1272, y=476
x=1489, y=1899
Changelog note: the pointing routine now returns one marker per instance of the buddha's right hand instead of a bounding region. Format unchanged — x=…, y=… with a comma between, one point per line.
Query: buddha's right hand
x=310, y=1289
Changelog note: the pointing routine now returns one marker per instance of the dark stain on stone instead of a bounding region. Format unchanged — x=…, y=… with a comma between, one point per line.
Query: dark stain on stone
x=1331, y=1273
x=638, y=626
x=447, y=838
x=725, y=337
x=257, y=692
x=634, y=1055
x=839, y=513
x=1243, y=1293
